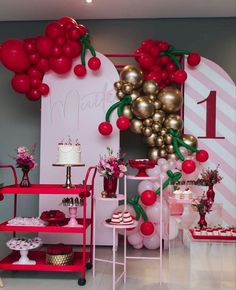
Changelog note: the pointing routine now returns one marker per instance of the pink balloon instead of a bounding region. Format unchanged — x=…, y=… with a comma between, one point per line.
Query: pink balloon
x=161, y=161
x=153, y=212
x=156, y=185
x=152, y=243
x=138, y=246
x=184, y=151
x=135, y=239
x=144, y=185
x=172, y=163
x=165, y=167
x=155, y=171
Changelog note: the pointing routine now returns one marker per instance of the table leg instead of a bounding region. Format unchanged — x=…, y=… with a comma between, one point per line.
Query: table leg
x=125, y=244
x=94, y=230
x=114, y=259
x=1, y=283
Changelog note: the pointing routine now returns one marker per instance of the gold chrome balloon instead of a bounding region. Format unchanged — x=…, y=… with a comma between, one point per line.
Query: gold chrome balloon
x=142, y=107
x=158, y=116
x=172, y=156
x=171, y=99
x=174, y=122
x=147, y=131
x=152, y=97
x=170, y=149
x=120, y=94
x=133, y=75
x=136, y=126
x=162, y=153
x=159, y=141
x=157, y=104
x=151, y=140
x=150, y=87
x=153, y=153
x=127, y=88
x=168, y=139
x=148, y=122
x=134, y=95
x=118, y=85
x=163, y=132
x=156, y=127
x=127, y=112
x=190, y=140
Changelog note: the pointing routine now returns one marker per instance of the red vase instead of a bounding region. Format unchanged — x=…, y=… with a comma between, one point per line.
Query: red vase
x=202, y=221
x=110, y=186
x=25, y=179
x=210, y=194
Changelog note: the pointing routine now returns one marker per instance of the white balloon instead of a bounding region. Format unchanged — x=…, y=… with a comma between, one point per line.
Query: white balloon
x=172, y=163
x=135, y=239
x=145, y=185
x=156, y=185
x=153, y=212
x=164, y=167
x=184, y=151
x=152, y=242
x=179, y=164
x=138, y=246
x=155, y=171
x=162, y=161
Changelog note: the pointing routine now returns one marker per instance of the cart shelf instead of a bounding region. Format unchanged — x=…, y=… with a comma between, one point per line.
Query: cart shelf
x=40, y=258
x=4, y=227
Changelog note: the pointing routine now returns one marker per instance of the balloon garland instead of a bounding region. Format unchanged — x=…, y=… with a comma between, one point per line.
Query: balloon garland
x=31, y=58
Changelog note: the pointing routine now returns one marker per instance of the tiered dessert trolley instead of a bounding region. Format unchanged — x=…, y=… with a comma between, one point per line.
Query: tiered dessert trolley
x=83, y=259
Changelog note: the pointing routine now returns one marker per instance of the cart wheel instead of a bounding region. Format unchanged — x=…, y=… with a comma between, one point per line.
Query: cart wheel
x=89, y=266
x=82, y=281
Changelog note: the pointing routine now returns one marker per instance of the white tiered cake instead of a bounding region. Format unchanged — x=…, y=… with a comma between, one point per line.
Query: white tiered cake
x=68, y=154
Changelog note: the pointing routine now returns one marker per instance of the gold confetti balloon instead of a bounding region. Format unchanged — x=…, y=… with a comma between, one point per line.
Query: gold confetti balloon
x=150, y=87
x=153, y=153
x=142, y=107
x=171, y=99
x=136, y=126
x=133, y=75
x=174, y=122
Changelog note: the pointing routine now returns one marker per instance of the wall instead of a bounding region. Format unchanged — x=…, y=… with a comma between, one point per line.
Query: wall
x=20, y=119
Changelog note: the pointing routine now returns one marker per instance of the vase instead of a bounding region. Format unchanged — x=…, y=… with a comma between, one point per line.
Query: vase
x=202, y=221
x=210, y=194
x=110, y=186
x=25, y=178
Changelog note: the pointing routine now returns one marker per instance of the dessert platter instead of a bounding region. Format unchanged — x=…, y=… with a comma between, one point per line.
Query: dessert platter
x=53, y=217
x=214, y=233
x=26, y=221
x=24, y=245
x=119, y=218
x=142, y=165
x=183, y=195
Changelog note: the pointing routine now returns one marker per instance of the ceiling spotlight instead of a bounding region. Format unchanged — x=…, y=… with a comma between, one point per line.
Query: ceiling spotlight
x=88, y=1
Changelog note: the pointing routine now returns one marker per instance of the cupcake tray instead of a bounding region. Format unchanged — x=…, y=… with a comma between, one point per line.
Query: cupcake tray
x=213, y=237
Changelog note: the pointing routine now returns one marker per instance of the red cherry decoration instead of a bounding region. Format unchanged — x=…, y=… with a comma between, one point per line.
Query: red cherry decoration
x=188, y=166
x=148, y=197
x=180, y=76
x=43, y=89
x=54, y=30
x=123, y=123
x=94, y=63
x=146, y=61
x=35, y=83
x=21, y=83
x=80, y=70
x=105, y=128
x=202, y=156
x=34, y=95
x=147, y=228
x=193, y=59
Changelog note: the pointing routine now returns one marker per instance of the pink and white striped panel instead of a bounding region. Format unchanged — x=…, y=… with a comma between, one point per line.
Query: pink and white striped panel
x=207, y=77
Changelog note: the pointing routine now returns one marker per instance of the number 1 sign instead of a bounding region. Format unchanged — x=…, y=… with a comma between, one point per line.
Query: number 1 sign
x=209, y=114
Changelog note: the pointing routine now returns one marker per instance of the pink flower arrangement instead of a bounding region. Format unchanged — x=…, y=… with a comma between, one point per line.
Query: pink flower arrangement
x=111, y=165
x=201, y=204
x=210, y=176
x=25, y=158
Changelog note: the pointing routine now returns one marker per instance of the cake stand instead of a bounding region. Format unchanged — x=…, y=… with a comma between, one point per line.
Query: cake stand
x=142, y=165
x=68, y=183
x=24, y=245
x=73, y=213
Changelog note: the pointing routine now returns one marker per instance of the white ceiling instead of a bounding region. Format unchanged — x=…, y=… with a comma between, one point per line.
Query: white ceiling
x=14, y=10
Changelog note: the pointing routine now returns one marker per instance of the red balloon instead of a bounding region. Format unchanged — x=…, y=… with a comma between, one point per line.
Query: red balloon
x=193, y=59
x=146, y=61
x=30, y=46
x=60, y=40
x=123, y=123
x=35, y=73
x=82, y=29
x=164, y=60
x=61, y=65
x=68, y=50
x=43, y=89
x=33, y=95
x=35, y=82
x=147, y=44
x=80, y=70
x=43, y=65
x=66, y=19
x=163, y=45
x=202, y=156
x=34, y=58
x=44, y=46
x=21, y=83
x=77, y=47
x=154, y=51
x=56, y=51
x=74, y=33
x=154, y=76
x=13, y=55
x=138, y=53
x=147, y=228
x=188, y=166
x=148, y=197
x=94, y=63
x=180, y=76
x=105, y=128
x=54, y=30
x=171, y=67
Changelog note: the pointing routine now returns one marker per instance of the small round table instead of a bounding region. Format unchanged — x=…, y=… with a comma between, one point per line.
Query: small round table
x=114, y=227
x=68, y=183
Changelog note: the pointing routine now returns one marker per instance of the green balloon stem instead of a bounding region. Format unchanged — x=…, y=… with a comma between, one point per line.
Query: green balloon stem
x=177, y=151
x=181, y=51
x=111, y=109
x=136, y=198
x=143, y=213
x=172, y=177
